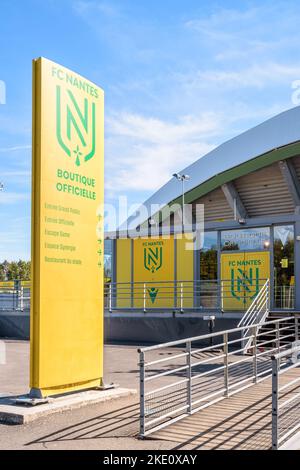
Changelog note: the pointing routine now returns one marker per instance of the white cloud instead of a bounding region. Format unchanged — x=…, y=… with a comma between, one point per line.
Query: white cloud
x=255, y=76
x=142, y=153
x=15, y=173
x=105, y=8
x=15, y=149
x=13, y=197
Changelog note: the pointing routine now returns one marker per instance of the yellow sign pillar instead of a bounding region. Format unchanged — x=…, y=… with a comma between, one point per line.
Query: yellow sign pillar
x=67, y=232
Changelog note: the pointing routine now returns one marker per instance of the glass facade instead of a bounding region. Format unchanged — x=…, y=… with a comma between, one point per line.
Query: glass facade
x=233, y=265
x=108, y=244
x=284, y=272
x=209, y=270
x=279, y=239
x=246, y=239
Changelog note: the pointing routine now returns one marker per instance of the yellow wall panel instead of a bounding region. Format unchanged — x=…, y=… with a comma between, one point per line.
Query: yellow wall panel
x=153, y=264
x=185, y=272
x=123, y=267
x=242, y=276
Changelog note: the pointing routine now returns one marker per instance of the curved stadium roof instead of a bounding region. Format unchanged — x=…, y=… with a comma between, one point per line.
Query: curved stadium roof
x=251, y=150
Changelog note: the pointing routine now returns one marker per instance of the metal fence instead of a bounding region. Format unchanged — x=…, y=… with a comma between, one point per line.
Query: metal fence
x=14, y=296
x=257, y=312
x=199, y=295
x=182, y=377
x=285, y=396
x=284, y=297
x=182, y=295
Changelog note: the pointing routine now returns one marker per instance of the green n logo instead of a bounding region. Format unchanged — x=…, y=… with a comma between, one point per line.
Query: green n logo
x=244, y=285
x=153, y=258
x=75, y=126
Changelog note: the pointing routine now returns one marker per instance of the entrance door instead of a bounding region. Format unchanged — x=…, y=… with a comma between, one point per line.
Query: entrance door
x=243, y=274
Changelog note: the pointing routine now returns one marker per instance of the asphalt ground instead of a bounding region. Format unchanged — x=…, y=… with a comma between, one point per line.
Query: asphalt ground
x=106, y=426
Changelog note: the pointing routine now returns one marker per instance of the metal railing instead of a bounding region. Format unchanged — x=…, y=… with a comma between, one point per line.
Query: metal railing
x=198, y=295
x=231, y=294
x=185, y=376
x=14, y=296
x=257, y=312
x=284, y=297
x=285, y=396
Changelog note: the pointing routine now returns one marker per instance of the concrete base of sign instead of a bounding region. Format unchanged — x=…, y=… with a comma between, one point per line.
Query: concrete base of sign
x=17, y=410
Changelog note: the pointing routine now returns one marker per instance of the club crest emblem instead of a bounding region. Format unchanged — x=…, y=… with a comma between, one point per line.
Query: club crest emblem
x=153, y=258
x=75, y=126
x=244, y=285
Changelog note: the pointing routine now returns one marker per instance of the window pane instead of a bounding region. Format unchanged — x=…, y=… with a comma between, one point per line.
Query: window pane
x=284, y=280
x=246, y=239
x=107, y=260
x=209, y=270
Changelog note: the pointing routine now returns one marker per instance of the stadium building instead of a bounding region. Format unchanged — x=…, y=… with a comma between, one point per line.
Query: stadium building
x=250, y=190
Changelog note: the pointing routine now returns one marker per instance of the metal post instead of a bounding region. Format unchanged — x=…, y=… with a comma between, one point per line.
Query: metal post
x=22, y=298
x=189, y=376
x=296, y=328
x=222, y=294
x=254, y=333
x=274, y=404
x=110, y=298
x=175, y=295
x=183, y=211
x=226, y=376
x=142, y=394
x=278, y=337
x=181, y=297
x=144, y=298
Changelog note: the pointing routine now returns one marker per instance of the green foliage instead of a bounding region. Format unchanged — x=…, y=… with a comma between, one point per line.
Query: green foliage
x=13, y=270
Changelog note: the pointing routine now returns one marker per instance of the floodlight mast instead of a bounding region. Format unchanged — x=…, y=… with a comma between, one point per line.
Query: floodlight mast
x=182, y=178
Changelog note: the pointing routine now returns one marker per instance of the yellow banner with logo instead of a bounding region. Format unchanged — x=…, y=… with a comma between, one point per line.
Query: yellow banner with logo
x=153, y=264
x=67, y=232
x=242, y=276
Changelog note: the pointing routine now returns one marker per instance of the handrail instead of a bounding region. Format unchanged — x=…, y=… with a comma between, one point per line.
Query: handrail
x=288, y=352
x=202, y=337
x=285, y=419
x=178, y=295
x=259, y=309
x=196, y=376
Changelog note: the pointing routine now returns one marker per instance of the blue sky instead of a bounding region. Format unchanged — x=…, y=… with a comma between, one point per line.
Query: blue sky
x=180, y=77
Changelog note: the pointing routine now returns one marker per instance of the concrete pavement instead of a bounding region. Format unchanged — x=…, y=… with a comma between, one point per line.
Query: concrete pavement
x=105, y=426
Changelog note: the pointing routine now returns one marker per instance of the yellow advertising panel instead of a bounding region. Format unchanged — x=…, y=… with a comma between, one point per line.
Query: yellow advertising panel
x=185, y=272
x=6, y=284
x=67, y=232
x=124, y=285
x=242, y=276
x=153, y=264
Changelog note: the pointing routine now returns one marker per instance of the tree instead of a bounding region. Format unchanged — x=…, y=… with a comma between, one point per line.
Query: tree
x=15, y=270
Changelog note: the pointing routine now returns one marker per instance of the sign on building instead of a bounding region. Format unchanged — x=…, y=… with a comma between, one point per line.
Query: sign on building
x=154, y=269
x=242, y=276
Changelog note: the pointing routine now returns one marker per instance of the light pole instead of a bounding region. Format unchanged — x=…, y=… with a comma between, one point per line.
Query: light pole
x=182, y=178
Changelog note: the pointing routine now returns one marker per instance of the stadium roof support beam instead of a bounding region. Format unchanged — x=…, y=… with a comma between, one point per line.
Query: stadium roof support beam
x=289, y=174
x=234, y=200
